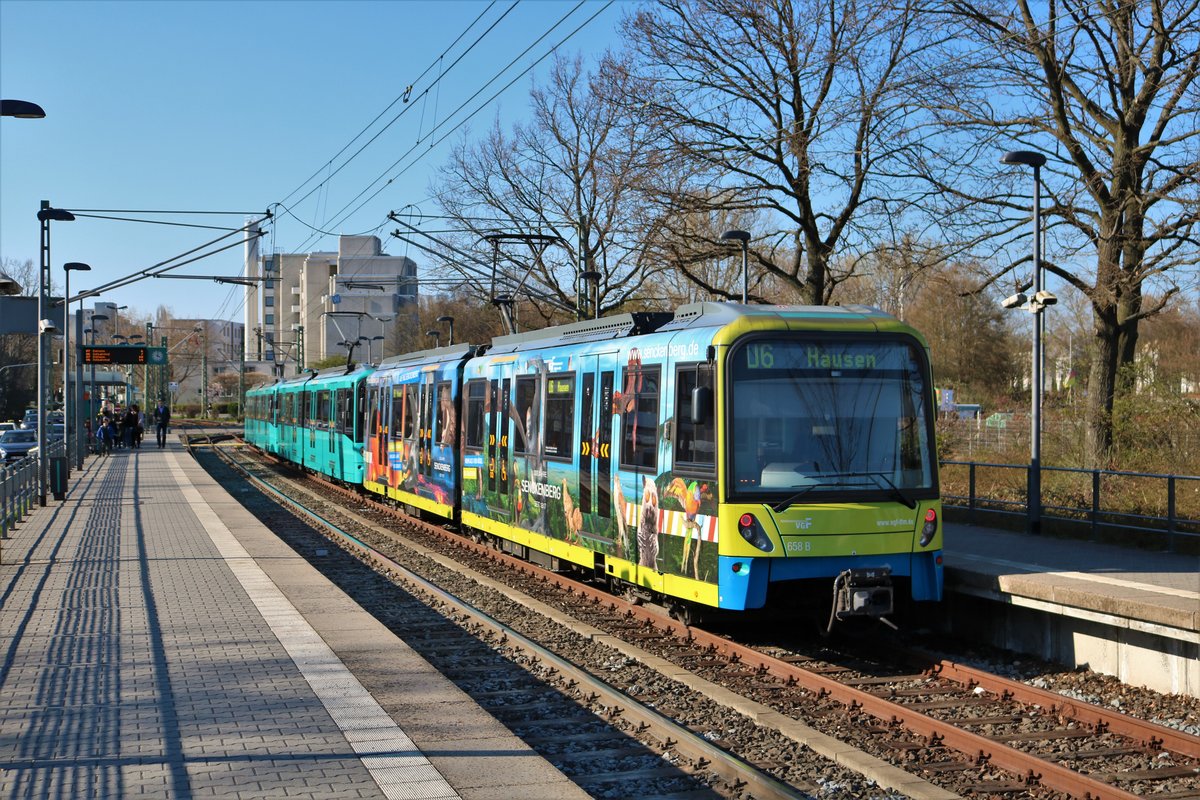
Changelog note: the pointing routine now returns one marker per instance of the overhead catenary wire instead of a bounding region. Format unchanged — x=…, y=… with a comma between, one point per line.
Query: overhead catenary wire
x=346, y=211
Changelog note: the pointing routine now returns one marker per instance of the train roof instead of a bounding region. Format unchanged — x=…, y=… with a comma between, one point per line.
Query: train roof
x=693, y=315
x=453, y=352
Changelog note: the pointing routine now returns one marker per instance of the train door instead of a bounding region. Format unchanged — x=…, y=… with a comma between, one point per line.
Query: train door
x=596, y=477
x=637, y=406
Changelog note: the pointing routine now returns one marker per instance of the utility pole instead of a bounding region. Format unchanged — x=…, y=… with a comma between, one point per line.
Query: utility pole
x=146, y=369
x=299, y=349
x=242, y=377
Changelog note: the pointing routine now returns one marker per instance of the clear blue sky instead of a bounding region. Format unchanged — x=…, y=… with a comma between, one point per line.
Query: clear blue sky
x=230, y=106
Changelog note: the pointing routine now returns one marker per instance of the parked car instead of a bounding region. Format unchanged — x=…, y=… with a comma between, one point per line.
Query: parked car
x=7, y=426
x=56, y=432
x=30, y=420
x=15, y=445
x=55, y=418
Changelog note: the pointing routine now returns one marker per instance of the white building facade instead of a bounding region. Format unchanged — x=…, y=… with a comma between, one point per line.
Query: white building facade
x=303, y=308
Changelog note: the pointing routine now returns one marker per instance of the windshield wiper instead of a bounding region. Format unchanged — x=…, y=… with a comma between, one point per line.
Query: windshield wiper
x=895, y=490
x=792, y=498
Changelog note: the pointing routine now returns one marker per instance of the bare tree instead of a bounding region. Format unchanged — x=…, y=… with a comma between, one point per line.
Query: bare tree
x=570, y=174
x=788, y=112
x=1109, y=90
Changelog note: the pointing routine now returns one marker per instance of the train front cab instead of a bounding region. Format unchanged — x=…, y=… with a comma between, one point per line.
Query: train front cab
x=653, y=459
x=830, y=474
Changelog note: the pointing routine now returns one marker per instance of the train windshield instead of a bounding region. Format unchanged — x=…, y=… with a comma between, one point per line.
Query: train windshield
x=824, y=415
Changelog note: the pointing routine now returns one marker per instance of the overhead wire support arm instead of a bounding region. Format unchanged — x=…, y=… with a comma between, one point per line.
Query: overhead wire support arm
x=505, y=304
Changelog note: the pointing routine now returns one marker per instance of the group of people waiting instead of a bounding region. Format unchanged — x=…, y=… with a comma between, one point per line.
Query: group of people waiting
x=116, y=430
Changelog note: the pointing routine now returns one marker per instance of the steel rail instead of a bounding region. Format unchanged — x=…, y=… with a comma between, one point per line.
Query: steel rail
x=671, y=736
x=1157, y=737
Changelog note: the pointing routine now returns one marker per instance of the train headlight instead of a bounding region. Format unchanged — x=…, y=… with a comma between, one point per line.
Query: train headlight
x=753, y=533
x=927, y=532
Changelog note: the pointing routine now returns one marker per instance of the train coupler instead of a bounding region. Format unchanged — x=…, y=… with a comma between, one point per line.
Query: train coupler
x=862, y=593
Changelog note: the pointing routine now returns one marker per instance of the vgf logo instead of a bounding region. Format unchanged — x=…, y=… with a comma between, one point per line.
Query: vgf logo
x=803, y=524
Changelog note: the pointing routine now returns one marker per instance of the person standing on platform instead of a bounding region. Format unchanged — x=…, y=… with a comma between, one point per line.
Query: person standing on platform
x=129, y=426
x=162, y=416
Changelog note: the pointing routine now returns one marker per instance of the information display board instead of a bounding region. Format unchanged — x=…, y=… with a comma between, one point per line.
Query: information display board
x=125, y=354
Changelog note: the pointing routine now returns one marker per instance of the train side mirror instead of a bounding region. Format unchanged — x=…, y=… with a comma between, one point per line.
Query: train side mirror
x=701, y=404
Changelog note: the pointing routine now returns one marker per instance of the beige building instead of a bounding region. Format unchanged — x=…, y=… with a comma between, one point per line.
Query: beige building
x=303, y=308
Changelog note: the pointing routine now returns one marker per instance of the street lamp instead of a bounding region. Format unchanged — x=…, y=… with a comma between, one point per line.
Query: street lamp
x=370, y=350
x=744, y=238
x=436, y=336
x=449, y=320
x=8, y=286
x=23, y=109
x=46, y=328
x=70, y=421
x=1040, y=300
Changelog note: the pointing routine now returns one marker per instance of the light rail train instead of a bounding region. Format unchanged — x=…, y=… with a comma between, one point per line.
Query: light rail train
x=719, y=457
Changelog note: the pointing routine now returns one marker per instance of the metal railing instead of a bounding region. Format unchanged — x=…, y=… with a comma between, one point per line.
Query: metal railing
x=19, y=486
x=1166, y=506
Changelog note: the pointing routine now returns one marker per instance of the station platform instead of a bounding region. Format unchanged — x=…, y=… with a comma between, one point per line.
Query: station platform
x=1130, y=613
x=160, y=642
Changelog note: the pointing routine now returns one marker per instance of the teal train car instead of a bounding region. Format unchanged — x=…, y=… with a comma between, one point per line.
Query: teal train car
x=313, y=420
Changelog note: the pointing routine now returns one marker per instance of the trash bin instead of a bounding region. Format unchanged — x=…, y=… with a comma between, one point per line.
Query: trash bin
x=58, y=477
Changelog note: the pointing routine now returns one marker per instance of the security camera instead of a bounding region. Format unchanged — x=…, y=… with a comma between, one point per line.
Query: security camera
x=47, y=326
x=1044, y=298
x=1015, y=301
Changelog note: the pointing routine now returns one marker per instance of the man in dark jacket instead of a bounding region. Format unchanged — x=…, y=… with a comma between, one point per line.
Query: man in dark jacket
x=162, y=417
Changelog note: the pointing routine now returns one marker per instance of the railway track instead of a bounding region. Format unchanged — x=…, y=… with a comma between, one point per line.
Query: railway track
x=960, y=728
x=608, y=743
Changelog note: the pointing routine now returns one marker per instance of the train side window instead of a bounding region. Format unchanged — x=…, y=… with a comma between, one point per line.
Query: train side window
x=695, y=445
x=411, y=409
x=559, y=436
x=305, y=407
x=445, y=414
x=476, y=402
x=397, y=412
x=639, y=419
x=321, y=419
x=526, y=393
x=360, y=418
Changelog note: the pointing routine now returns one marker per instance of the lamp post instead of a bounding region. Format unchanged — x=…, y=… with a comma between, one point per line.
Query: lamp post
x=744, y=238
x=70, y=421
x=436, y=336
x=370, y=340
x=95, y=318
x=1030, y=158
x=448, y=320
x=46, y=328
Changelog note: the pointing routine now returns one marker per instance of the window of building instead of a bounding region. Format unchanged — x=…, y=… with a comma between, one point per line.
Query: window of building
x=695, y=445
x=269, y=301
x=269, y=319
x=560, y=416
x=639, y=419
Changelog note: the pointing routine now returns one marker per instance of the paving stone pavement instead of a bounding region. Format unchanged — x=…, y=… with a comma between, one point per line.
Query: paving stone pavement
x=136, y=664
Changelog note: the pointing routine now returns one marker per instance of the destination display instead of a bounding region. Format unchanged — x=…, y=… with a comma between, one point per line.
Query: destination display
x=124, y=354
